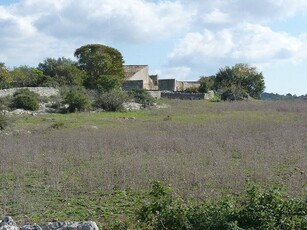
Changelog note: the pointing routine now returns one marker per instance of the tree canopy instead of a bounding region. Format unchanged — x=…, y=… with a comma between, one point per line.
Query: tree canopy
x=235, y=83
x=102, y=64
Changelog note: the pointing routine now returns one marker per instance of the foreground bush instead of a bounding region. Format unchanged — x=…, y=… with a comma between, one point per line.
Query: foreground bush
x=141, y=96
x=112, y=100
x=4, y=121
x=25, y=99
x=77, y=100
x=258, y=209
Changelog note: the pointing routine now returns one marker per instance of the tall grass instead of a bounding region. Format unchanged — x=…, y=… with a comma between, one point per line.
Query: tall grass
x=202, y=149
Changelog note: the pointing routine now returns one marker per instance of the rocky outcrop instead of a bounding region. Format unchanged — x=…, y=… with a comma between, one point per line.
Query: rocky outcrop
x=8, y=224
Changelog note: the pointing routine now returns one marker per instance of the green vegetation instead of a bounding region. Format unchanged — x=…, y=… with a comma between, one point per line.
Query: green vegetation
x=100, y=166
x=103, y=65
x=111, y=100
x=77, y=100
x=25, y=99
x=142, y=96
x=235, y=83
x=4, y=121
x=257, y=209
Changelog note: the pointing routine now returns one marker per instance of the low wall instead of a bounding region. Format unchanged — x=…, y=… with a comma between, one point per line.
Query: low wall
x=183, y=96
x=42, y=91
x=155, y=94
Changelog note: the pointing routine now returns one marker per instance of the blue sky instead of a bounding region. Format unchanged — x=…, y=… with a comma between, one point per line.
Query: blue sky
x=182, y=39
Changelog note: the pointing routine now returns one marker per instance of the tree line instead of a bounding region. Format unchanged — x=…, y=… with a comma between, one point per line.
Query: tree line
x=101, y=68
x=97, y=67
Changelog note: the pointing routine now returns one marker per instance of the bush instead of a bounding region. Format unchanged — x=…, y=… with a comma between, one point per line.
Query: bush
x=111, y=100
x=25, y=99
x=258, y=209
x=77, y=100
x=5, y=102
x=4, y=121
x=142, y=96
x=192, y=89
x=234, y=94
x=164, y=210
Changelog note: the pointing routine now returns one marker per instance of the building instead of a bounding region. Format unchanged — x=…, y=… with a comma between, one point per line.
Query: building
x=137, y=76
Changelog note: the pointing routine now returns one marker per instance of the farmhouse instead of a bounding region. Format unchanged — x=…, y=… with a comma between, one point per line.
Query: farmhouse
x=137, y=76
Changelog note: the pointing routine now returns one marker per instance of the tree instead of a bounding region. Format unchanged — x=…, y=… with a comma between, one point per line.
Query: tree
x=5, y=77
x=63, y=71
x=25, y=76
x=240, y=78
x=100, y=61
x=49, y=65
x=206, y=84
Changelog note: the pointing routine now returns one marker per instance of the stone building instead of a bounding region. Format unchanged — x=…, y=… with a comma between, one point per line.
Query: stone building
x=137, y=76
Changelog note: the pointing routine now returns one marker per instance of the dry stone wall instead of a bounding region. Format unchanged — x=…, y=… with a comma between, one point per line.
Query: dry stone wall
x=42, y=91
x=8, y=224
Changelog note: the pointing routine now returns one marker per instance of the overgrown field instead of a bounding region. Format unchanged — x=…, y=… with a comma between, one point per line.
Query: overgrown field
x=99, y=166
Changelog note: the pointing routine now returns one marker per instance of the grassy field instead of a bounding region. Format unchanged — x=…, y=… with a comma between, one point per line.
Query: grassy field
x=98, y=165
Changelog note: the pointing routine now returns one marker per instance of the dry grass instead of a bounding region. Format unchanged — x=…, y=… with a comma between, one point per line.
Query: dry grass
x=201, y=149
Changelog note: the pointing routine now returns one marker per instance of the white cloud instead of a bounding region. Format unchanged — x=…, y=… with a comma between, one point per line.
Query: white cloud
x=132, y=20
x=32, y=30
x=244, y=43
x=245, y=11
x=178, y=72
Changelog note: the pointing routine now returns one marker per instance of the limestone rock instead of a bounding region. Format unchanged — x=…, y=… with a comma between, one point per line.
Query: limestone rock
x=8, y=224
x=31, y=227
x=68, y=225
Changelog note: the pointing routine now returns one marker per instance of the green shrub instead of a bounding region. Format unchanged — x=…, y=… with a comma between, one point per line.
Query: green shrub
x=5, y=102
x=192, y=89
x=25, y=99
x=4, y=121
x=111, y=101
x=271, y=209
x=257, y=209
x=234, y=94
x=141, y=96
x=164, y=210
x=77, y=100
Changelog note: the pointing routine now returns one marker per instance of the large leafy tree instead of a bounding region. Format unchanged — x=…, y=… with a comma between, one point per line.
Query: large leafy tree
x=103, y=65
x=241, y=80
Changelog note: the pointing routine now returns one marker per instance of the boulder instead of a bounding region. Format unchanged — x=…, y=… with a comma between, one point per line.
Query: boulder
x=8, y=224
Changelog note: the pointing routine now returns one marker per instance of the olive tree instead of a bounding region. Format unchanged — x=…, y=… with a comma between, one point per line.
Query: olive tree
x=103, y=65
x=241, y=78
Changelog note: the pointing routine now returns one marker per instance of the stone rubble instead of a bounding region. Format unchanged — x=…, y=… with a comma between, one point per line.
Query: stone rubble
x=8, y=224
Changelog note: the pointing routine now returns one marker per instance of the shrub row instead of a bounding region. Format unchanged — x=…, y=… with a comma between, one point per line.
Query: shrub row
x=78, y=99
x=258, y=209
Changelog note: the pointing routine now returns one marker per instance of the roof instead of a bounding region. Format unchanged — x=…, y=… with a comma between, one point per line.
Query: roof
x=130, y=70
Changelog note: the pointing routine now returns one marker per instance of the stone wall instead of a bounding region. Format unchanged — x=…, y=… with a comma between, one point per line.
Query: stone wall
x=167, y=84
x=8, y=224
x=132, y=84
x=184, y=96
x=42, y=91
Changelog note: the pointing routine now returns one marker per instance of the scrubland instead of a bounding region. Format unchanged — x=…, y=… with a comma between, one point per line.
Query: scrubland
x=98, y=165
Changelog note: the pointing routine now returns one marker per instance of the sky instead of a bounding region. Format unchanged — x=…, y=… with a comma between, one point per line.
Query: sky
x=182, y=39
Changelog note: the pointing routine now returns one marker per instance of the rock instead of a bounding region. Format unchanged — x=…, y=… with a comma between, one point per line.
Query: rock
x=68, y=225
x=132, y=106
x=8, y=224
x=31, y=227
